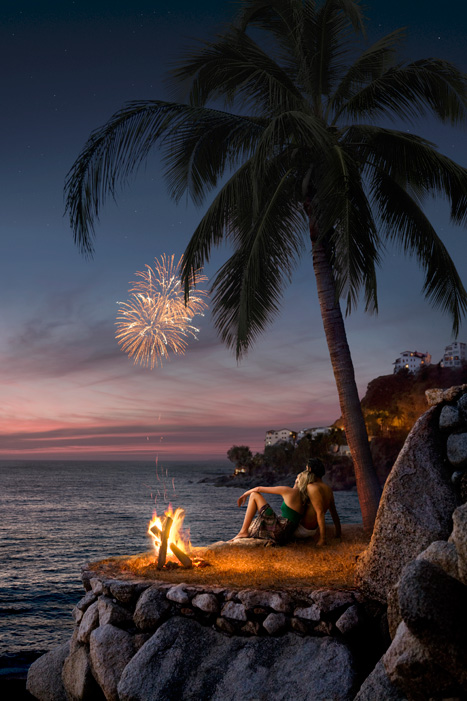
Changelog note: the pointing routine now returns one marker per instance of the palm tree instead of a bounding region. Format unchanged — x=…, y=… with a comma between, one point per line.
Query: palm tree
x=284, y=109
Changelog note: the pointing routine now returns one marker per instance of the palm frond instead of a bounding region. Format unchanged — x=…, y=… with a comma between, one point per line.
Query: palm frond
x=334, y=21
x=413, y=162
x=404, y=223
x=290, y=22
x=235, y=67
x=248, y=287
x=288, y=133
x=369, y=66
x=408, y=92
x=117, y=149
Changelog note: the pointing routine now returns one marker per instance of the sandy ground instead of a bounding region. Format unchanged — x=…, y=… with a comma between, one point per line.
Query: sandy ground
x=294, y=566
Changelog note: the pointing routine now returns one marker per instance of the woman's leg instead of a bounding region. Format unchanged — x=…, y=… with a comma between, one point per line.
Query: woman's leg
x=255, y=503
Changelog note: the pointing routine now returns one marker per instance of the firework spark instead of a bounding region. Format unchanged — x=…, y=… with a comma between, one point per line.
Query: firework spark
x=155, y=320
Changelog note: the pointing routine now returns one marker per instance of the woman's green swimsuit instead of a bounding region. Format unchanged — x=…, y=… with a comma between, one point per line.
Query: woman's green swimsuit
x=290, y=514
x=266, y=524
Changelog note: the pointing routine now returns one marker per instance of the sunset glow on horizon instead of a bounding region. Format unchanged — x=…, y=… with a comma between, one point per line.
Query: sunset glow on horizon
x=67, y=389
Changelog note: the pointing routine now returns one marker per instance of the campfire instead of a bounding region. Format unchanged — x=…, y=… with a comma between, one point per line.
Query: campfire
x=171, y=542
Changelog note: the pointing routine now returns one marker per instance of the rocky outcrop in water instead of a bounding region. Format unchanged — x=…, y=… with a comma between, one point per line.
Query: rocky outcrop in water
x=143, y=640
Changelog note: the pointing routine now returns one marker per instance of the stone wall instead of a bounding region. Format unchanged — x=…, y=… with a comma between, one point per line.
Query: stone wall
x=116, y=622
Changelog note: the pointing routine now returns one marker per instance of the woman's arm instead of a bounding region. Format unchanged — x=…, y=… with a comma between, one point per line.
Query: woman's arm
x=264, y=490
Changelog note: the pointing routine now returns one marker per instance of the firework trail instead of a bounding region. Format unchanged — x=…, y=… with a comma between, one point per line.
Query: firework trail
x=155, y=320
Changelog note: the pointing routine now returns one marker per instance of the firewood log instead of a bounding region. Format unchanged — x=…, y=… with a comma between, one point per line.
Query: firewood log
x=163, y=547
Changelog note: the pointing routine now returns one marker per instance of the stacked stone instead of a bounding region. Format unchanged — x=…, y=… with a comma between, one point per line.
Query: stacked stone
x=142, y=606
x=427, y=607
x=117, y=618
x=453, y=421
x=427, y=615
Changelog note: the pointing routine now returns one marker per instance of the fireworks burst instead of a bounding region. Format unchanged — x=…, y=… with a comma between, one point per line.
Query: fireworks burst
x=155, y=320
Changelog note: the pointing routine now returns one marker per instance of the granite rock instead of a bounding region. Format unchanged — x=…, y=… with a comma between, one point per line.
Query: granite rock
x=127, y=592
x=329, y=600
x=111, y=612
x=378, y=687
x=275, y=623
x=309, y=613
x=110, y=650
x=151, y=609
x=44, y=679
x=234, y=611
x=206, y=602
x=349, y=621
x=406, y=526
x=411, y=668
x=178, y=594
x=457, y=450
x=276, y=600
x=458, y=538
x=443, y=554
x=89, y=621
x=78, y=679
x=450, y=418
x=212, y=667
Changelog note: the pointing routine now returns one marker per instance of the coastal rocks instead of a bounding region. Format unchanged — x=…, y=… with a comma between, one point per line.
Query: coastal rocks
x=378, y=687
x=78, y=679
x=44, y=680
x=208, y=666
x=428, y=604
x=415, y=509
x=113, y=636
x=151, y=608
x=110, y=651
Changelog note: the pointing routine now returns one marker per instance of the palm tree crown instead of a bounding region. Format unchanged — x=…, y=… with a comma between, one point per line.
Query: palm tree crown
x=285, y=109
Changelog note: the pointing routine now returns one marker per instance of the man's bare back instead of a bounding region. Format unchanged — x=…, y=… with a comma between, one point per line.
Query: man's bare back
x=321, y=500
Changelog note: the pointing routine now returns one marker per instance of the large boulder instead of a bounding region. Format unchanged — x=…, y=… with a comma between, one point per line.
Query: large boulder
x=44, y=680
x=110, y=650
x=378, y=687
x=411, y=667
x=78, y=679
x=415, y=509
x=186, y=660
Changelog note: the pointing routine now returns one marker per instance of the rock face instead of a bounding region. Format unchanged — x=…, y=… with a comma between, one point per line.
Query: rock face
x=194, y=662
x=428, y=623
x=416, y=508
x=45, y=675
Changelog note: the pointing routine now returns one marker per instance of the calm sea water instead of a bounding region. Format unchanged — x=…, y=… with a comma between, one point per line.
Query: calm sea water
x=56, y=516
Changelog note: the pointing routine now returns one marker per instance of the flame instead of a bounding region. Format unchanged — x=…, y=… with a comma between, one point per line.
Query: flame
x=178, y=536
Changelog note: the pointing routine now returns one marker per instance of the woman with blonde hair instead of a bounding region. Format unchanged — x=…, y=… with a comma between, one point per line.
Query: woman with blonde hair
x=261, y=521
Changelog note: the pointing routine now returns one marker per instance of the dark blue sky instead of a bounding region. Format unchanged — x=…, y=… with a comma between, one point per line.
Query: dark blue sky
x=67, y=389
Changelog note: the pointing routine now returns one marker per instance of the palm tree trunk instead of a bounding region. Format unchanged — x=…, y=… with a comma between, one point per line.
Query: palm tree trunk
x=368, y=487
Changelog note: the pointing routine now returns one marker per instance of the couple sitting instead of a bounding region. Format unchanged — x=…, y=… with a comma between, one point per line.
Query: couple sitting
x=302, y=511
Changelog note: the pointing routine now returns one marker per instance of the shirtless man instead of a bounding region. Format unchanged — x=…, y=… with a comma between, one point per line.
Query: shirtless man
x=321, y=500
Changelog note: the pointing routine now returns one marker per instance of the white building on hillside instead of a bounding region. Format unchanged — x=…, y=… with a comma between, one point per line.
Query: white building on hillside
x=283, y=434
x=313, y=432
x=454, y=355
x=412, y=361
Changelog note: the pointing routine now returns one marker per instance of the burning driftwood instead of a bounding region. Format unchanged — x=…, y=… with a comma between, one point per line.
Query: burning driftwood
x=163, y=535
x=161, y=558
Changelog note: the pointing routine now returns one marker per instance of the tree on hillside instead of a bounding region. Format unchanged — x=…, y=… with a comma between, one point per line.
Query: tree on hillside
x=240, y=455
x=282, y=114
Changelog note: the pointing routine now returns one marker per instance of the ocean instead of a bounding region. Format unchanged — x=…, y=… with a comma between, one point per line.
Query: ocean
x=56, y=516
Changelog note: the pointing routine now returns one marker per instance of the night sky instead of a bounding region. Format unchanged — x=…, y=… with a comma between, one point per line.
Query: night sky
x=67, y=390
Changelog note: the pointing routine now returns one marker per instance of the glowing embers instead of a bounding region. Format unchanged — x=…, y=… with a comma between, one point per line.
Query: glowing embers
x=171, y=542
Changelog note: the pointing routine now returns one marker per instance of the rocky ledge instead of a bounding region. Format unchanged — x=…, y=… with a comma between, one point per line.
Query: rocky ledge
x=201, y=638
x=140, y=640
